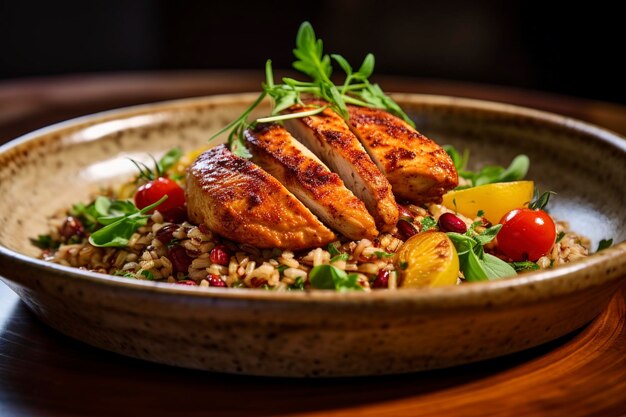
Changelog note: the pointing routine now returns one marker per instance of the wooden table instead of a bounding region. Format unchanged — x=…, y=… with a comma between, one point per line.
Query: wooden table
x=47, y=374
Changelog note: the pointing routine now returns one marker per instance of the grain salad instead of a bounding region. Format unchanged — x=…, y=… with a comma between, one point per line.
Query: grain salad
x=335, y=189
x=176, y=251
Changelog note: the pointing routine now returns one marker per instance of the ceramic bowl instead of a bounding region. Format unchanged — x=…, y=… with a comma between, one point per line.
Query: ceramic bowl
x=313, y=333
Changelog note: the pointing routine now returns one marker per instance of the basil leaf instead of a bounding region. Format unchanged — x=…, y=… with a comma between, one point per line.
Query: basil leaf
x=116, y=210
x=473, y=269
x=496, y=268
x=516, y=171
x=327, y=277
x=116, y=234
x=462, y=243
x=488, y=235
x=102, y=205
x=488, y=175
x=323, y=277
x=474, y=262
x=170, y=159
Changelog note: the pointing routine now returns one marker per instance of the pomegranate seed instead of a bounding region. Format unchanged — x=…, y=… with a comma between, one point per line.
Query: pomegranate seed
x=448, y=222
x=382, y=279
x=72, y=227
x=215, y=281
x=219, y=255
x=180, y=260
x=186, y=282
x=406, y=229
x=164, y=234
x=405, y=213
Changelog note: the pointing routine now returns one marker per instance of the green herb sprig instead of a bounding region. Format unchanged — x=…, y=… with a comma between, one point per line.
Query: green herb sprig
x=328, y=277
x=516, y=171
x=476, y=264
x=311, y=61
x=604, y=244
x=161, y=166
x=119, y=230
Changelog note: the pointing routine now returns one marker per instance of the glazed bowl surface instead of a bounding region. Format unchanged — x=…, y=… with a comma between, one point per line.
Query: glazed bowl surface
x=318, y=333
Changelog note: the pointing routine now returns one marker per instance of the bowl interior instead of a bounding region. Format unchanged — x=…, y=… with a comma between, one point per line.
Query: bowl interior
x=56, y=167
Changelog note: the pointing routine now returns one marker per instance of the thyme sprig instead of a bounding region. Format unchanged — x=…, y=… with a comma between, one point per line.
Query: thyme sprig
x=311, y=61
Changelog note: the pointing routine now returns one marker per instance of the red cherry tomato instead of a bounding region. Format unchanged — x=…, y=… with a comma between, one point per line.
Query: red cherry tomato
x=526, y=234
x=154, y=190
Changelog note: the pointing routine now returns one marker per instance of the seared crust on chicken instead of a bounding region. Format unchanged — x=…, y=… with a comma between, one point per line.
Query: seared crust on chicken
x=330, y=138
x=418, y=169
x=302, y=173
x=238, y=200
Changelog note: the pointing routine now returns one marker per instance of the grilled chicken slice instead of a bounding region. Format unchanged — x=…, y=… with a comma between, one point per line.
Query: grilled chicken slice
x=418, y=169
x=302, y=173
x=238, y=200
x=330, y=138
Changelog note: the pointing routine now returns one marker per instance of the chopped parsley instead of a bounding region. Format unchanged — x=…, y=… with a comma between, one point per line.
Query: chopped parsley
x=428, y=223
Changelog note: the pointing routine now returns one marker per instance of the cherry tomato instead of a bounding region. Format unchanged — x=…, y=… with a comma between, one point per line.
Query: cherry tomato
x=526, y=234
x=154, y=190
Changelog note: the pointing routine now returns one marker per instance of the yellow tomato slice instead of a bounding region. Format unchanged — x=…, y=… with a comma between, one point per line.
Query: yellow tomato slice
x=495, y=200
x=427, y=260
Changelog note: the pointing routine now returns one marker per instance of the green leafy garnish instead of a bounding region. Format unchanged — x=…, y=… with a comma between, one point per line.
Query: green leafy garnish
x=311, y=61
x=170, y=159
x=603, y=244
x=541, y=202
x=125, y=274
x=148, y=274
x=475, y=263
x=117, y=233
x=161, y=166
x=428, y=223
x=45, y=242
x=340, y=257
x=327, y=277
x=332, y=248
x=559, y=237
x=381, y=254
x=524, y=266
x=516, y=171
x=298, y=285
x=102, y=211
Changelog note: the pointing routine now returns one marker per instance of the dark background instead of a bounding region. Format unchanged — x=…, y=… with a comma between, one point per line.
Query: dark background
x=574, y=50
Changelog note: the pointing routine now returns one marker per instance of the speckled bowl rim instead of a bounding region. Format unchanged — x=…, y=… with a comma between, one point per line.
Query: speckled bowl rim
x=473, y=294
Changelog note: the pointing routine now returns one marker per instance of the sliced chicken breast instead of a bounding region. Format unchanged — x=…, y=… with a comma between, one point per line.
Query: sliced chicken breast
x=418, y=169
x=330, y=138
x=238, y=200
x=302, y=173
